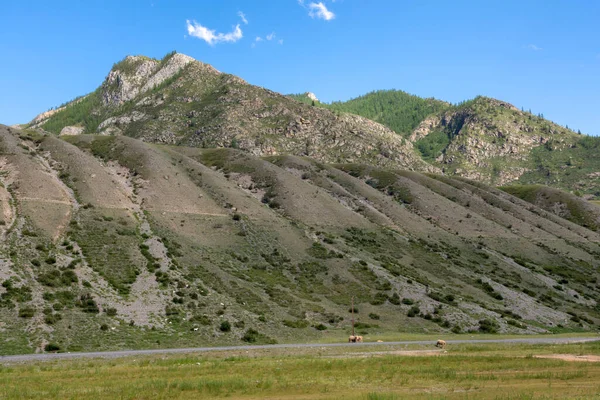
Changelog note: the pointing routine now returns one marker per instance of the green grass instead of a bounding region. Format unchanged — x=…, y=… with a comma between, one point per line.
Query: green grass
x=475, y=371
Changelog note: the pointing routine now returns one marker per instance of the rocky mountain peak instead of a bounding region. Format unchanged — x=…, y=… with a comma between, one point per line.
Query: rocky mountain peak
x=138, y=74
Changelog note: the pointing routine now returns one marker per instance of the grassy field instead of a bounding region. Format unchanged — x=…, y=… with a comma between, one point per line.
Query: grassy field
x=482, y=371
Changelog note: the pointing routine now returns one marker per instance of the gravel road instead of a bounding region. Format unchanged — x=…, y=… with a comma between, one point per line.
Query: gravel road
x=128, y=353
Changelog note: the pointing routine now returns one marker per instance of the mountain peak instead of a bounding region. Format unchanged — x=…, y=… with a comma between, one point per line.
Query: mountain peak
x=138, y=74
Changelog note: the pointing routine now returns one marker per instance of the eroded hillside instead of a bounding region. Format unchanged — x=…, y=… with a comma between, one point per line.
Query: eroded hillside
x=112, y=242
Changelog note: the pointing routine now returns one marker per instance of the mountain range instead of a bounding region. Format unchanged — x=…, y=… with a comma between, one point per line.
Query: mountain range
x=177, y=205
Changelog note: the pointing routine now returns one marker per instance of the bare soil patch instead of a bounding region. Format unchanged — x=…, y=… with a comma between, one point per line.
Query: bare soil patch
x=570, y=357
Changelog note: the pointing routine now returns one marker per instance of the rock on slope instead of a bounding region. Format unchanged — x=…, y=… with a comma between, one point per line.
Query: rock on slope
x=109, y=242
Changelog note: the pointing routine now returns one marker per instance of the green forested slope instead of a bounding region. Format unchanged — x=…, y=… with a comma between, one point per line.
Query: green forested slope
x=400, y=111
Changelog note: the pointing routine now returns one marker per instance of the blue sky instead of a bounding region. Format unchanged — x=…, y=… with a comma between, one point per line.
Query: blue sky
x=540, y=55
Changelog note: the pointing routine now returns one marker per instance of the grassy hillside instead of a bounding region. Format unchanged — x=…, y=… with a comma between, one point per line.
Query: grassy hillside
x=563, y=204
x=110, y=242
x=569, y=165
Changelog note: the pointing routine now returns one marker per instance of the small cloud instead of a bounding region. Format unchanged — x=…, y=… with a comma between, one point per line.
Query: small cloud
x=280, y=41
x=533, y=47
x=196, y=30
x=243, y=17
x=318, y=10
x=258, y=39
x=271, y=36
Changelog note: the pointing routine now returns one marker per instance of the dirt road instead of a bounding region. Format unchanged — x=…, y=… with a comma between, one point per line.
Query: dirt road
x=127, y=353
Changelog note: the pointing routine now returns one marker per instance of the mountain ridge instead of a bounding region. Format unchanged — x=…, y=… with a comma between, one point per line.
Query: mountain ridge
x=194, y=104
x=178, y=100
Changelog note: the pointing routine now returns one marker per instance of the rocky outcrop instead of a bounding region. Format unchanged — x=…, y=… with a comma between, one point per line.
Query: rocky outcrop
x=175, y=64
x=137, y=74
x=490, y=140
x=72, y=130
x=122, y=120
x=123, y=82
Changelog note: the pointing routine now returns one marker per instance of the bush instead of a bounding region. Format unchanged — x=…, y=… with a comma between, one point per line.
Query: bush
x=27, y=312
x=488, y=326
x=111, y=311
x=88, y=304
x=225, y=326
x=320, y=327
x=202, y=319
x=449, y=298
x=408, y=302
x=362, y=325
x=414, y=311
x=395, y=299
x=253, y=336
x=237, y=217
x=51, y=319
x=51, y=347
x=374, y=316
x=250, y=336
x=300, y=323
x=379, y=299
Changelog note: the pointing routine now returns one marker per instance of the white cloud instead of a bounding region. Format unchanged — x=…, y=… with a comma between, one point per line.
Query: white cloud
x=243, y=17
x=319, y=10
x=258, y=39
x=280, y=41
x=533, y=47
x=209, y=36
x=271, y=36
